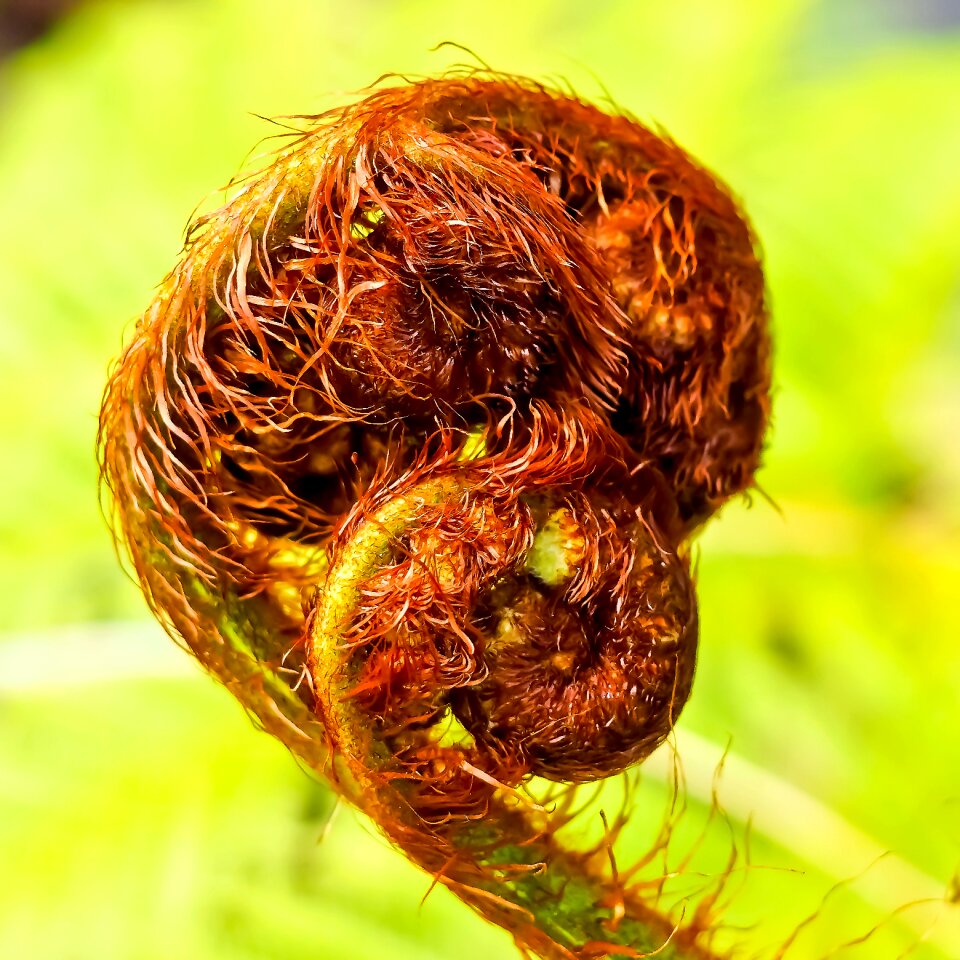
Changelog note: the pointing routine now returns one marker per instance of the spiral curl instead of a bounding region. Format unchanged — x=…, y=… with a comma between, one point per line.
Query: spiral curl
x=409, y=449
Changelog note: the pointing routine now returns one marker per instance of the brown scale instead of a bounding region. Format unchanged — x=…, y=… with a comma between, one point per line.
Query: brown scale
x=682, y=266
x=489, y=245
x=471, y=275
x=584, y=682
x=456, y=291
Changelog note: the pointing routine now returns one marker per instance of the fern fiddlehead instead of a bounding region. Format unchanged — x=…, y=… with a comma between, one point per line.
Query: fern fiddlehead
x=408, y=451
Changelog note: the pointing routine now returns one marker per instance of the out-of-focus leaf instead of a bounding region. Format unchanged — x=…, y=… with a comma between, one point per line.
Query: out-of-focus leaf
x=145, y=816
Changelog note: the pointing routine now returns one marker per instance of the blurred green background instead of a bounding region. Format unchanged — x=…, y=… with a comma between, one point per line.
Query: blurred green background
x=142, y=817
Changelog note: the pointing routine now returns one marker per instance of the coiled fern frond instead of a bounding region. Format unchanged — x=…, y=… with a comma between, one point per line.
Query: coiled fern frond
x=409, y=450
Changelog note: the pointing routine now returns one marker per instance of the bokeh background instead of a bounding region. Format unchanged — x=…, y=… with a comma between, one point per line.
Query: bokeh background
x=141, y=816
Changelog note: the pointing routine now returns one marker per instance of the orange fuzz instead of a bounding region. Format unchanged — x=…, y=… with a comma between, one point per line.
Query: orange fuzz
x=409, y=449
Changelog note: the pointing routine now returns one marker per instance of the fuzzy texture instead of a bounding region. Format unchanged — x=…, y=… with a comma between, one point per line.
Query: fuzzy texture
x=413, y=440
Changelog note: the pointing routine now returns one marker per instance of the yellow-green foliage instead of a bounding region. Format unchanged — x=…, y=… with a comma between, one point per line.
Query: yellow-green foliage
x=140, y=815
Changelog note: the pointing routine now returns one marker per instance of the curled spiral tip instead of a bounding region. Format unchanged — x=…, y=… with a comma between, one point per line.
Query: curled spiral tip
x=408, y=451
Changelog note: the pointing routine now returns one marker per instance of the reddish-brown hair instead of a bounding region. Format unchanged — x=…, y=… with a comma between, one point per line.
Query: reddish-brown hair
x=416, y=434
